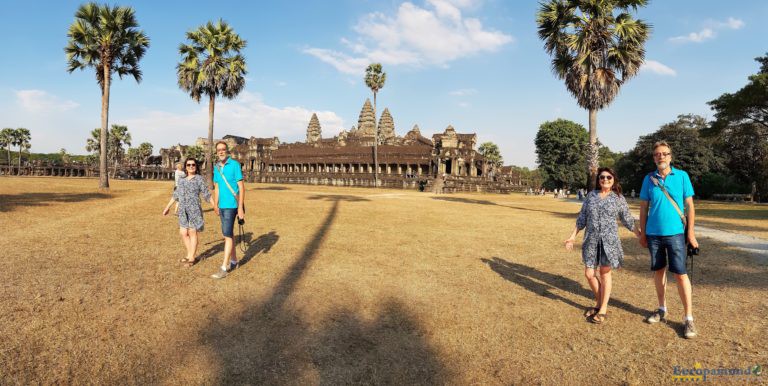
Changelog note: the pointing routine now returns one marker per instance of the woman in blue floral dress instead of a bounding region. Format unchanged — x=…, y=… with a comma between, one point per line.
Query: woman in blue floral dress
x=601, y=249
x=190, y=213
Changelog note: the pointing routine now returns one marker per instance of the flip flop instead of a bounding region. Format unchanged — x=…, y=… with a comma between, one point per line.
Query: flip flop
x=187, y=262
x=598, y=318
x=591, y=311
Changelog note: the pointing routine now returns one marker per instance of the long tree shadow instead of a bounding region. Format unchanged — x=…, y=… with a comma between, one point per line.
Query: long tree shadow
x=271, y=342
x=9, y=202
x=542, y=283
x=486, y=202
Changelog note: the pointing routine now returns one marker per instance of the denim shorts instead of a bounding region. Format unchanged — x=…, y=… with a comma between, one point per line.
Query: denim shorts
x=228, y=216
x=668, y=250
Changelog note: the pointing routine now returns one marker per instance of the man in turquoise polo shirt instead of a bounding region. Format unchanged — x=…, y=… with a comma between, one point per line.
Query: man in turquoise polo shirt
x=228, y=193
x=663, y=233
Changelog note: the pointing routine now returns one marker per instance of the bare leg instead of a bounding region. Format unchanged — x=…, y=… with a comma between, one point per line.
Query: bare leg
x=684, y=290
x=229, y=247
x=606, y=283
x=192, y=249
x=185, y=239
x=660, y=280
x=594, y=284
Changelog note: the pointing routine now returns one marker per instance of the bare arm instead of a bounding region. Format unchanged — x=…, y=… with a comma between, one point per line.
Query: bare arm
x=643, y=221
x=241, y=199
x=168, y=207
x=690, y=213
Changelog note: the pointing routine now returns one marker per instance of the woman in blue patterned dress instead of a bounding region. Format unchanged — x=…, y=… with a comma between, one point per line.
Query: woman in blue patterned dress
x=190, y=213
x=601, y=249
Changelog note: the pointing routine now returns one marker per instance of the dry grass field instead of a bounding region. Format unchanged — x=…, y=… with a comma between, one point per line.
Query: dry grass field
x=346, y=286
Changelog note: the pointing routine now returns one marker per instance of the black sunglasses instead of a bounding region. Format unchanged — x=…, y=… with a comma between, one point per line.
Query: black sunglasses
x=606, y=177
x=194, y=165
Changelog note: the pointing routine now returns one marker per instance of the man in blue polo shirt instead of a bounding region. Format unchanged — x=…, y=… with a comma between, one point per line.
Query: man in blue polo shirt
x=228, y=193
x=663, y=232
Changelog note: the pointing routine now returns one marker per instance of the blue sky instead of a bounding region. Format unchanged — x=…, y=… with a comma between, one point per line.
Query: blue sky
x=477, y=65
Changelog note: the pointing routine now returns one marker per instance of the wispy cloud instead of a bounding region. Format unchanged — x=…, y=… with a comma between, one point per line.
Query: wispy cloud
x=657, y=68
x=245, y=116
x=435, y=34
x=709, y=31
x=39, y=101
x=463, y=92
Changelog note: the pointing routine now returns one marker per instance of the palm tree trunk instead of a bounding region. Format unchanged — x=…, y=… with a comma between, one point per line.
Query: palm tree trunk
x=19, y=159
x=592, y=159
x=375, y=145
x=209, y=153
x=9, y=159
x=103, y=177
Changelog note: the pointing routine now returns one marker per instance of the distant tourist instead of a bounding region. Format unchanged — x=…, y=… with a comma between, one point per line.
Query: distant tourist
x=601, y=248
x=663, y=230
x=229, y=195
x=633, y=193
x=178, y=175
x=187, y=197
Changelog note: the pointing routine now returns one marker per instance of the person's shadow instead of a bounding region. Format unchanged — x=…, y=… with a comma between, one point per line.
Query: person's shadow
x=542, y=283
x=262, y=244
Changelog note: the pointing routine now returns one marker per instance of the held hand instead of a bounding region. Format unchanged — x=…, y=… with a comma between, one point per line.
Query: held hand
x=643, y=241
x=692, y=240
x=216, y=210
x=637, y=232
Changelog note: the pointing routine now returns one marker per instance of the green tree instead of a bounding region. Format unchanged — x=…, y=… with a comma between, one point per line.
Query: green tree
x=749, y=105
x=118, y=136
x=6, y=140
x=560, y=153
x=133, y=154
x=745, y=148
x=107, y=39
x=375, y=79
x=608, y=158
x=22, y=138
x=492, y=154
x=211, y=65
x=145, y=150
x=596, y=46
x=195, y=152
x=65, y=158
x=690, y=152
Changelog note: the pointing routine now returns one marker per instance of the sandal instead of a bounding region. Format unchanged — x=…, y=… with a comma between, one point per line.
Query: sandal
x=598, y=318
x=591, y=311
x=188, y=262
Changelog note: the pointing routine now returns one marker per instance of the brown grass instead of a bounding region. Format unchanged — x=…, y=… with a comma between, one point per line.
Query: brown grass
x=342, y=286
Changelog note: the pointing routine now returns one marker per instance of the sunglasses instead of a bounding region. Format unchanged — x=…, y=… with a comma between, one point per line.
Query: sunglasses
x=661, y=154
x=606, y=177
x=191, y=165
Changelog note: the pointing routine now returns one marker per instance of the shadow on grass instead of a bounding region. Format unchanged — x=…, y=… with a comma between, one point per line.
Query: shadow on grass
x=742, y=214
x=542, y=283
x=730, y=227
x=9, y=202
x=270, y=342
x=337, y=198
x=272, y=188
x=486, y=202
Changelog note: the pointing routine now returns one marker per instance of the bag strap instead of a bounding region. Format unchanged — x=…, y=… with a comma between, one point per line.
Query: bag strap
x=221, y=173
x=674, y=204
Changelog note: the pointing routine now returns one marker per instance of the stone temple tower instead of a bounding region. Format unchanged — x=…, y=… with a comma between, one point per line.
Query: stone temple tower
x=366, y=123
x=386, y=126
x=313, y=130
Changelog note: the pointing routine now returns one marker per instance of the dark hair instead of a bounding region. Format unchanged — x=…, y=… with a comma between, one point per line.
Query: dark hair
x=616, y=188
x=197, y=169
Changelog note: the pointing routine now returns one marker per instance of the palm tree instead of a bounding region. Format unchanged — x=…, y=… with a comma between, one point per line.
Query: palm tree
x=596, y=46
x=374, y=79
x=22, y=138
x=6, y=140
x=107, y=39
x=118, y=136
x=211, y=64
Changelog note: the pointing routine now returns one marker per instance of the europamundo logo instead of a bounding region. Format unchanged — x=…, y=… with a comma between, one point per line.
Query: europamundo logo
x=699, y=373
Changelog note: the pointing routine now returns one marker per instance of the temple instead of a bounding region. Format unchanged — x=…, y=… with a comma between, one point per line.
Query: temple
x=448, y=159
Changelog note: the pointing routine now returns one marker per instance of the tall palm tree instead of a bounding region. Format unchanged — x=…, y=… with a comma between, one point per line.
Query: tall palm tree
x=374, y=79
x=6, y=140
x=596, y=46
x=22, y=138
x=118, y=136
x=107, y=39
x=211, y=64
